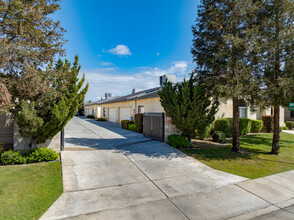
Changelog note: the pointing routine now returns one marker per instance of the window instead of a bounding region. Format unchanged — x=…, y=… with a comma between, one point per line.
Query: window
x=141, y=109
x=242, y=109
x=292, y=114
x=104, y=112
x=243, y=112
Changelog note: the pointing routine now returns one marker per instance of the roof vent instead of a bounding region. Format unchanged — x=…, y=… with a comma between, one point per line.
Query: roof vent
x=108, y=95
x=164, y=78
x=136, y=90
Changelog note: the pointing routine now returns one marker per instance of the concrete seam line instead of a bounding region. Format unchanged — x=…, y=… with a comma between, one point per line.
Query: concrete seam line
x=254, y=194
x=157, y=187
x=141, y=172
x=278, y=184
x=122, y=207
x=105, y=187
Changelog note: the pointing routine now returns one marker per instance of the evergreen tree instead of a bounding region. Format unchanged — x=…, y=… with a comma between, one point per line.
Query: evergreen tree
x=29, y=40
x=43, y=119
x=276, y=21
x=224, y=50
x=190, y=106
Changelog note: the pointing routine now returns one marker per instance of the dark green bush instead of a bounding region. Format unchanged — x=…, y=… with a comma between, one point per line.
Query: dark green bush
x=12, y=157
x=178, y=141
x=101, y=119
x=132, y=127
x=225, y=125
x=139, y=122
x=283, y=128
x=219, y=136
x=42, y=154
x=256, y=126
x=205, y=133
x=290, y=124
x=28, y=156
x=268, y=123
x=125, y=124
x=244, y=125
x=91, y=116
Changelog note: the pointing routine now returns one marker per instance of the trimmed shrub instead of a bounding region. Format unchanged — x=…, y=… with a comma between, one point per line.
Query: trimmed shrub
x=139, y=122
x=268, y=123
x=205, y=133
x=178, y=141
x=42, y=154
x=12, y=157
x=290, y=124
x=256, y=126
x=91, y=116
x=219, y=136
x=244, y=125
x=283, y=128
x=132, y=127
x=125, y=124
x=101, y=119
x=28, y=156
x=224, y=126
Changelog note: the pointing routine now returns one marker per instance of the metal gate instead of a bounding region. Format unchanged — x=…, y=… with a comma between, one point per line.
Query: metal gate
x=153, y=126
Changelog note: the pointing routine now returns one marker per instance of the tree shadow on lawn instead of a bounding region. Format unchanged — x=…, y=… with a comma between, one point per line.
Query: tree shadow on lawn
x=252, y=146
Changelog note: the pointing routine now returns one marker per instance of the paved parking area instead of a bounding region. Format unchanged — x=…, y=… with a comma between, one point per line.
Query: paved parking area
x=112, y=173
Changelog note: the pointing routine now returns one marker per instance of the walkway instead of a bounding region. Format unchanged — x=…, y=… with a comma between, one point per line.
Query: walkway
x=111, y=173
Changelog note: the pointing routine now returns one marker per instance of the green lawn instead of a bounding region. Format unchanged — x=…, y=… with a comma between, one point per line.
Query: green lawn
x=254, y=161
x=27, y=191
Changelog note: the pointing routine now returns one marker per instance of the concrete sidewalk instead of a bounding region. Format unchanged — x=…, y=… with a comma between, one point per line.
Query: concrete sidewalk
x=111, y=173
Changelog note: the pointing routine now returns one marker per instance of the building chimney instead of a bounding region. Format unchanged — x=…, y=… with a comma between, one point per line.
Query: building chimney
x=108, y=95
x=136, y=90
x=164, y=78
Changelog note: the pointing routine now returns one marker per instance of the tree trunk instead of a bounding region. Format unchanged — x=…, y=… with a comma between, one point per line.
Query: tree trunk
x=276, y=137
x=236, y=134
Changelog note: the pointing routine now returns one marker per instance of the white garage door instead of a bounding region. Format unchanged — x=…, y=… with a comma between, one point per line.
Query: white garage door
x=124, y=114
x=112, y=115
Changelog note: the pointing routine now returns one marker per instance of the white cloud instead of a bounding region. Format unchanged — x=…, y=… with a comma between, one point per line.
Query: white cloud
x=113, y=80
x=106, y=64
x=120, y=50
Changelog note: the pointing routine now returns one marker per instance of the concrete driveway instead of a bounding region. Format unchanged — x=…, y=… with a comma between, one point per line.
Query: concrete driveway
x=112, y=173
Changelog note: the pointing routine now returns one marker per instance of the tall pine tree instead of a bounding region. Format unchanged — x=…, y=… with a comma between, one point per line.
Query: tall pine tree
x=224, y=52
x=43, y=119
x=276, y=22
x=190, y=106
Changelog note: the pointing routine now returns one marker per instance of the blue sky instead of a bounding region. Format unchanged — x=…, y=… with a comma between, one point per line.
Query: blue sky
x=128, y=44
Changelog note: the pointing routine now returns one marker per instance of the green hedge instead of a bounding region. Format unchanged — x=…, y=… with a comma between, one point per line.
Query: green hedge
x=283, y=128
x=132, y=127
x=101, y=119
x=205, y=133
x=224, y=125
x=256, y=126
x=268, y=123
x=91, y=116
x=125, y=124
x=244, y=126
x=290, y=124
x=219, y=136
x=28, y=156
x=178, y=141
x=139, y=122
